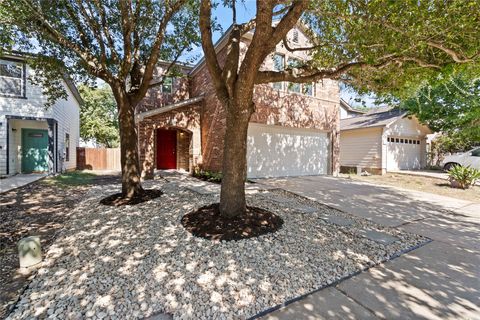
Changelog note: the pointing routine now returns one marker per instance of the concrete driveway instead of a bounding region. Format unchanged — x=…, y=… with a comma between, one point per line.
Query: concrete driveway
x=440, y=280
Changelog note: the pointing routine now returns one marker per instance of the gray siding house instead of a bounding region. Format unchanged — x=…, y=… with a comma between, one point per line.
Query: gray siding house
x=34, y=138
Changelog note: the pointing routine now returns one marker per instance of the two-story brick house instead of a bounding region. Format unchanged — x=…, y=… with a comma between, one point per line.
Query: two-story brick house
x=294, y=130
x=34, y=138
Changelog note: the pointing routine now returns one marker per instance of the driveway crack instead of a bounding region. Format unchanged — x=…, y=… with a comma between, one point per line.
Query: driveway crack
x=371, y=311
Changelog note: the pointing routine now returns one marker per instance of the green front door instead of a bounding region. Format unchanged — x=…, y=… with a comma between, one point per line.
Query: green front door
x=34, y=150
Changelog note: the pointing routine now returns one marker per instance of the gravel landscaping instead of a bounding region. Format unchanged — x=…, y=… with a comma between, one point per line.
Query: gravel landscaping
x=137, y=261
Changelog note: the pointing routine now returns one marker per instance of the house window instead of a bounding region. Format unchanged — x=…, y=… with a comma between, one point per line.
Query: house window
x=308, y=89
x=295, y=36
x=67, y=147
x=294, y=87
x=167, y=86
x=12, y=78
x=278, y=65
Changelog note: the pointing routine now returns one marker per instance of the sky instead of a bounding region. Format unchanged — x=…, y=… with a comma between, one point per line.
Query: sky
x=245, y=12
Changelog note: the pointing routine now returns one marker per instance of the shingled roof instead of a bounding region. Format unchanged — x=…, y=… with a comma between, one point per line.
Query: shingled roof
x=372, y=119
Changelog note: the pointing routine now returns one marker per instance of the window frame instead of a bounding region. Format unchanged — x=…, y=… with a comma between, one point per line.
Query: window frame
x=296, y=62
x=67, y=147
x=23, y=78
x=278, y=85
x=312, y=85
x=163, y=86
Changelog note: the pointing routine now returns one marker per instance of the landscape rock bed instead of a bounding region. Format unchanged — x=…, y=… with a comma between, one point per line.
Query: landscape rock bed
x=136, y=261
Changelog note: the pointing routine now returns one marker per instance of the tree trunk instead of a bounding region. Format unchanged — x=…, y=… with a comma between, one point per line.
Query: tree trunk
x=232, y=195
x=131, y=185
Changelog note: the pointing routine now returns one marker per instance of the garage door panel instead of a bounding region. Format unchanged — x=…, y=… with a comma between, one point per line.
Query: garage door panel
x=403, y=154
x=274, y=151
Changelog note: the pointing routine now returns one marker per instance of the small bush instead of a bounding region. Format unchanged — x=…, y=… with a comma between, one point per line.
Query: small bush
x=206, y=175
x=463, y=177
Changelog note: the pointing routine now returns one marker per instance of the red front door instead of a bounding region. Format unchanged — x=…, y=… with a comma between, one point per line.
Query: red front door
x=166, y=149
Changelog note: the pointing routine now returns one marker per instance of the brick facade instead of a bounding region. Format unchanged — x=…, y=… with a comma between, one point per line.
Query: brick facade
x=186, y=121
x=205, y=121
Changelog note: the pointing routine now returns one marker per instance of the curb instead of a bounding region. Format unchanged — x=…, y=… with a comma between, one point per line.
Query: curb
x=286, y=303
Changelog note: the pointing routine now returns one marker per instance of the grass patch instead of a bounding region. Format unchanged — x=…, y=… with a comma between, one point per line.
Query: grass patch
x=73, y=178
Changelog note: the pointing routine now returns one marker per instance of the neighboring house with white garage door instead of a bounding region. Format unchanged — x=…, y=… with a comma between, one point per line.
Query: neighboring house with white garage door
x=34, y=138
x=294, y=130
x=382, y=141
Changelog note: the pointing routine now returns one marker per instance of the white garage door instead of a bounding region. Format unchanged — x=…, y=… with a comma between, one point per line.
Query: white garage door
x=403, y=153
x=275, y=151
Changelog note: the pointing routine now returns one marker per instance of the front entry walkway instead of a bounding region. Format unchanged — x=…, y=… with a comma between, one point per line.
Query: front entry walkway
x=441, y=280
x=19, y=180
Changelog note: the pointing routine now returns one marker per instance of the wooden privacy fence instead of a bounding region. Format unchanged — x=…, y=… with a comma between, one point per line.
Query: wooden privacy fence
x=98, y=159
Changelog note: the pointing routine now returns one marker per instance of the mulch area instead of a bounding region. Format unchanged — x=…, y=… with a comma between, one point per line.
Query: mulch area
x=117, y=199
x=207, y=222
x=40, y=209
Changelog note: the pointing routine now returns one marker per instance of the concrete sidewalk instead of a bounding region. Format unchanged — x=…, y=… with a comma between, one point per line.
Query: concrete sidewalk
x=438, y=281
x=19, y=180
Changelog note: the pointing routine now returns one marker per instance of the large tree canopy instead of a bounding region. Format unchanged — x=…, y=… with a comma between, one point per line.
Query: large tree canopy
x=99, y=116
x=117, y=41
x=449, y=105
x=384, y=46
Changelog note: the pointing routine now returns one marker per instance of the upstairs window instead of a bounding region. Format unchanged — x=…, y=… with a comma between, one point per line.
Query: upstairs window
x=294, y=87
x=279, y=62
x=294, y=62
x=12, y=78
x=295, y=36
x=278, y=65
x=167, y=86
x=308, y=89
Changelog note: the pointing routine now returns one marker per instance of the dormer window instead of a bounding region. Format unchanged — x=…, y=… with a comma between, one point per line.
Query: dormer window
x=295, y=36
x=12, y=78
x=167, y=85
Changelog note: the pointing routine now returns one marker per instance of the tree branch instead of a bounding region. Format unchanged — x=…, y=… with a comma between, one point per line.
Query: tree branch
x=125, y=12
x=170, y=66
x=230, y=69
x=95, y=27
x=209, y=50
x=106, y=31
x=287, y=46
x=291, y=18
x=452, y=53
x=305, y=74
x=91, y=63
x=136, y=95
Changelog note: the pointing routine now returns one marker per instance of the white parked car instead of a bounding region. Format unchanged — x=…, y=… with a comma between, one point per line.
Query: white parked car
x=470, y=158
